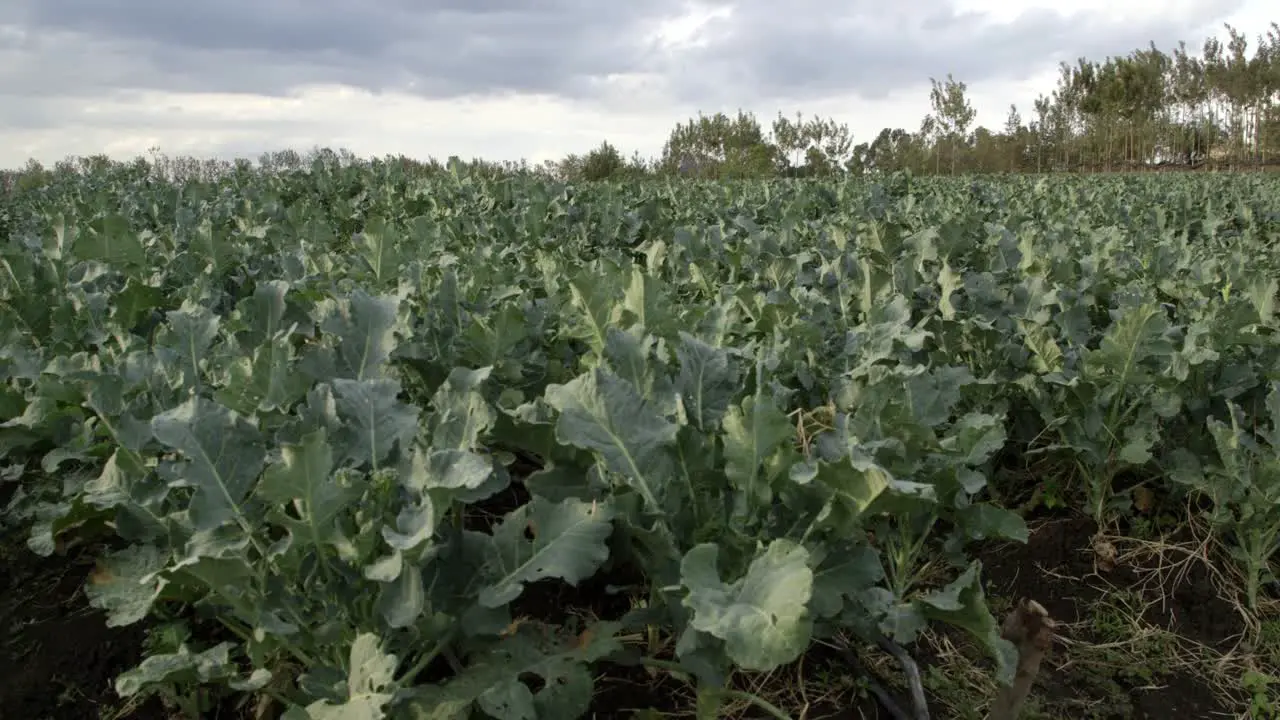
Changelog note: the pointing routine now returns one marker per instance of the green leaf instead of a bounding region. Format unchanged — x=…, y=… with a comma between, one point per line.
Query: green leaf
x=385, y=569
x=963, y=604
x=489, y=679
x=603, y=413
x=403, y=599
x=1262, y=293
x=567, y=542
x=370, y=671
x=594, y=300
x=461, y=413
x=376, y=421
x=448, y=470
x=415, y=524
x=187, y=338
x=185, y=666
x=126, y=583
x=567, y=693
x=706, y=383
x=109, y=239
x=136, y=301
x=1139, y=438
x=982, y=521
x=856, y=481
x=1272, y=434
x=224, y=454
x=112, y=486
x=304, y=479
x=509, y=700
x=949, y=281
x=843, y=573
x=934, y=393
x=366, y=327
x=629, y=354
x=376, y=245
x=753, y=432
x=267, y=381
x=1129, y=347
x=647, y=301
x=557, y=482
x=264, y=312
x=762, y=617
x=974, y=438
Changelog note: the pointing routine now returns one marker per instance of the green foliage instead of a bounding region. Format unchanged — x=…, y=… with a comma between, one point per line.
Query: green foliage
x=720, y=146
x=603, y=163
x=364, y=417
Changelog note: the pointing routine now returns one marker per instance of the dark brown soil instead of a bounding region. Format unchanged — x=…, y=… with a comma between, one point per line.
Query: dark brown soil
x=622, y=692
x=60, y=659
x=1057, y=569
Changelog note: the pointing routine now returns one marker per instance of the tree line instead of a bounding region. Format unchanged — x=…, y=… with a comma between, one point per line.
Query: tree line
x=1149, y=109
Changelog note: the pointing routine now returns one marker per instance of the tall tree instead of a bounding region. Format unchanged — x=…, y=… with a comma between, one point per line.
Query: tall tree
x=720, y=146
x=954, y=113
x=1015, y=140
x=1218, y=106
x=814, y=147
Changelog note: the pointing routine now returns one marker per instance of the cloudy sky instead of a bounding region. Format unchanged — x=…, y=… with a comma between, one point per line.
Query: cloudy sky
x=505, y=79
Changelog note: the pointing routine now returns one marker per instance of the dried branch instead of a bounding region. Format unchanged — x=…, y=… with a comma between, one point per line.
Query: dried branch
x=1029, y=627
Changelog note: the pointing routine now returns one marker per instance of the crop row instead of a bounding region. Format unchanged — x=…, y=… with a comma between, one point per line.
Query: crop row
x=361, y=420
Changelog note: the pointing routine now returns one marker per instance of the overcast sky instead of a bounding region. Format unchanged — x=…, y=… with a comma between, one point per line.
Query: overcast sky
x=505, y=79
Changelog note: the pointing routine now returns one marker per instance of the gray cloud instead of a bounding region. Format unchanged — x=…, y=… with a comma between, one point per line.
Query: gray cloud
x=445, y=48
x=820, y=47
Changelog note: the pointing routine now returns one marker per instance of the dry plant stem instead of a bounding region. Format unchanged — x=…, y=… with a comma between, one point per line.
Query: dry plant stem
x=1029, y=627
x=912, y=671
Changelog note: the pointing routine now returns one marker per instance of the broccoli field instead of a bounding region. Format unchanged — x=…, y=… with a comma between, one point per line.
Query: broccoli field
x=361, y=442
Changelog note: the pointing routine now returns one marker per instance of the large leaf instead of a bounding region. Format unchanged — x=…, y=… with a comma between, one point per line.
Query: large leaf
x=224, y=455
x=370, y=671
x=762, y=617
x=304, y=480
x=707, y=382
x=184, y=665
x=495, y=681
x=376, y=421
x=753, y=432
x=542, y=539
x=605, y=414
x=461, y=413
x=366, y=327
x=126, y=583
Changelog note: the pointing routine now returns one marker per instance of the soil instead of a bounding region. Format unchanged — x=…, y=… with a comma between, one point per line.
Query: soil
x=1057, y=569
x=60, y=658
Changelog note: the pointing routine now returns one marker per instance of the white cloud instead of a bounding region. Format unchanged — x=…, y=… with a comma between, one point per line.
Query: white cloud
x=632, y=106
